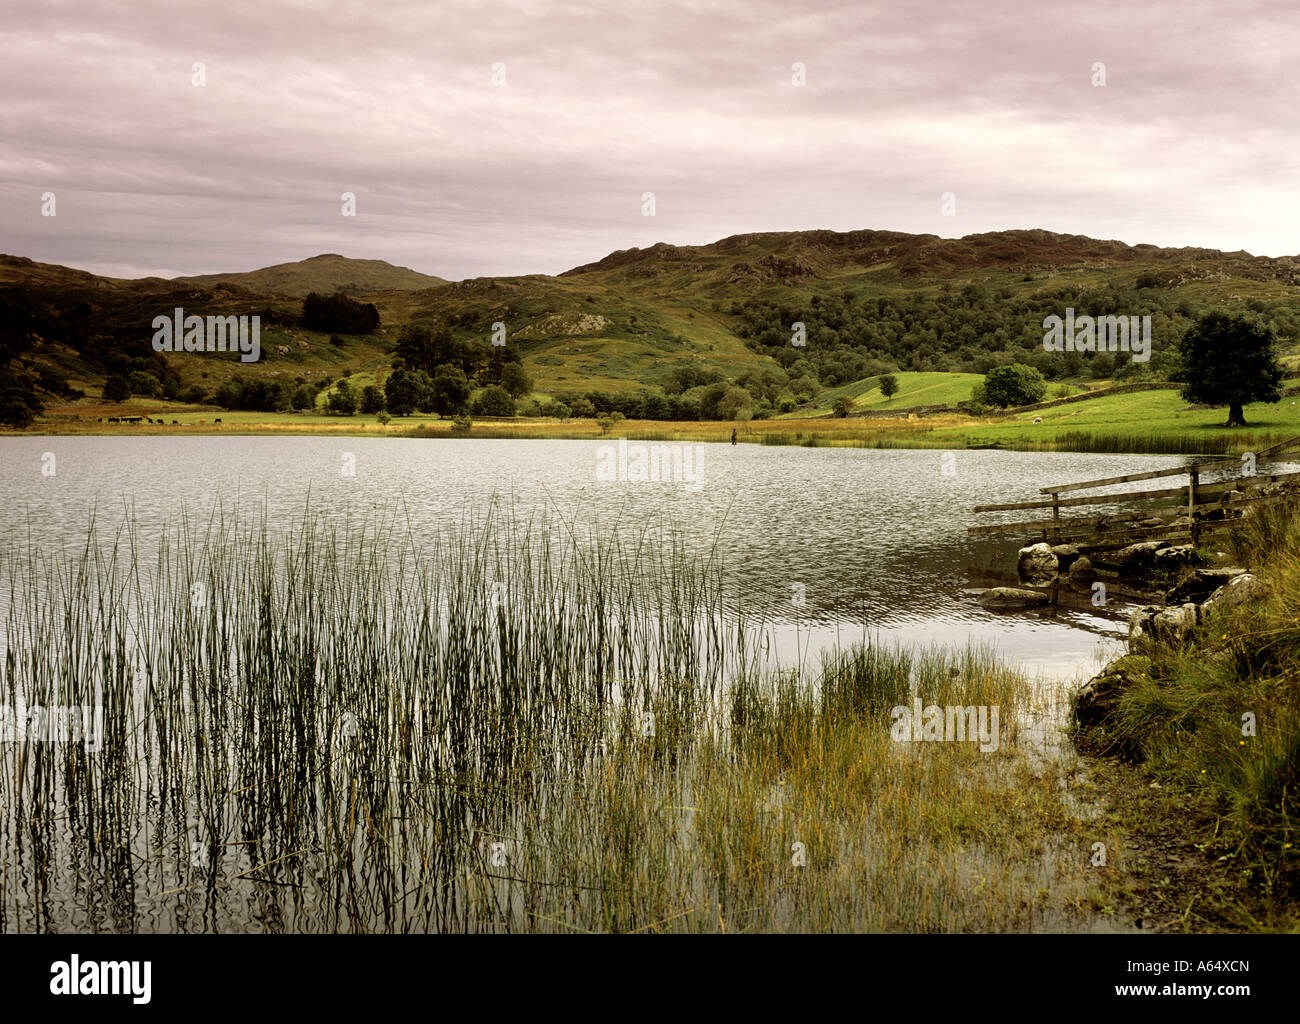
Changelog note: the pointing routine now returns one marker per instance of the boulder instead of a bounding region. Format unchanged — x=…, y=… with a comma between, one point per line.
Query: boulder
x=1176, y=557
x=1082, y=574
x=1240, y=588
x=1097, y=698
x=1137, y=557
x=1169, y=623
x=1036, y=564
x=1201, y=584
x=1012, y=598
x=1066, y=555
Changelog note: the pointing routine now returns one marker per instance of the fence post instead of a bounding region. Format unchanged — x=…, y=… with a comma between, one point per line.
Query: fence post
x=1056, y=518
x=1191, y=506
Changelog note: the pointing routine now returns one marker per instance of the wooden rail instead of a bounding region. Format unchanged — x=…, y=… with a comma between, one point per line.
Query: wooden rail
x=1193, y=504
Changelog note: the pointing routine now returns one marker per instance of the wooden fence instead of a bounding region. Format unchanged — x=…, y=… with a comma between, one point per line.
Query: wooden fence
x=1186, y=511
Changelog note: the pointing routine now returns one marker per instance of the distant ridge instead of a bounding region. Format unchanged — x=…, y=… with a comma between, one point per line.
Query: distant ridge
x=784, y=257
x=328, y=272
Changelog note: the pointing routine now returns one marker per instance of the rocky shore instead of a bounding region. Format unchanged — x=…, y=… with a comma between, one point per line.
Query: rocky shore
x=1185, y=607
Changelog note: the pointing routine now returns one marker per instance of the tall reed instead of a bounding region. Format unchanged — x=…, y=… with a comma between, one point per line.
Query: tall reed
x=517, y=724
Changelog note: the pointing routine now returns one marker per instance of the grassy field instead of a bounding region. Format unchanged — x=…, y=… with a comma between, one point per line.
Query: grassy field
x=913, y=389
x=1149, y=418
x=1152, y=422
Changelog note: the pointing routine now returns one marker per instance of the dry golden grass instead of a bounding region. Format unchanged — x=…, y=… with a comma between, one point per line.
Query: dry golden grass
x=87, y=419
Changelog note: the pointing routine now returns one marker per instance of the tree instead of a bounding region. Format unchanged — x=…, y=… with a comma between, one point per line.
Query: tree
x=145, y=384
x=805, y=388
x=402, y=393
x=1016, y=384
x=304, y=397
x=842, y=405
x=338, y=313
x=116, y=388
x=1103, y=365
x=735, y=404
x=709, y=399
x=583, y=409
x=1230, y=359
x=342, y=401
x=372, y=400
x=19, y=405
x=515, y=379
x=493, y=401
x=421, y=347
x=888, y=385
x=606, y=421
x=449, y=391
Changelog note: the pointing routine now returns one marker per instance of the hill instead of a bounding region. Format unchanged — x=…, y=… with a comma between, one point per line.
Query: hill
x=671, y=320
x=327, y=273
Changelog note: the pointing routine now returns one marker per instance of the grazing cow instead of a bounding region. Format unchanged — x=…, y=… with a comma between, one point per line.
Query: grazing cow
x=1038, y=419
x=217, y=420
x=175, y=424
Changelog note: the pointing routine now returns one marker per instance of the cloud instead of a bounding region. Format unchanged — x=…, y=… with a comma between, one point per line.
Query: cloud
x=1189, y=142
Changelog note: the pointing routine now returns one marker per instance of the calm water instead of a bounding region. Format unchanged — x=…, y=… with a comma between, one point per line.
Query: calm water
x=865, y=539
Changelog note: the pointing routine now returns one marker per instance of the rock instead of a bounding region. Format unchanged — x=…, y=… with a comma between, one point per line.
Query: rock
x=1237, y=590
x=1201, y=584
x=1153, y=522
x=1097, y=697
x=1036, y=564
x=1082, y=573
x=1137, y=557
x=1012, y=597
x=1176, y=557
x=1162, y=623
x=1066, y=555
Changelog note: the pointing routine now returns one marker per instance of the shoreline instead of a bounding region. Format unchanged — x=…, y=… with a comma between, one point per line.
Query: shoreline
x=955, y=432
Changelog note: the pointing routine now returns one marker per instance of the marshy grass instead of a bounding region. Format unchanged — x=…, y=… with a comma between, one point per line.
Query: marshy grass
x=515, y=726
x=1216, y=719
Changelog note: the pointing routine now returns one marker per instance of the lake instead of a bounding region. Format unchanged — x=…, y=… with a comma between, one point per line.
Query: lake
x=245, y=723
x=822, y=543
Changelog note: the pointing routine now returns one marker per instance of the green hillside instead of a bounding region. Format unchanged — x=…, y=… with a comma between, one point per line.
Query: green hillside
x=914, y=389
x=668, y=319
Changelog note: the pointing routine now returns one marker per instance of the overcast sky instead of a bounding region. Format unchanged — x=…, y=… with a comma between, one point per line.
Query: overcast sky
x=1191, y=141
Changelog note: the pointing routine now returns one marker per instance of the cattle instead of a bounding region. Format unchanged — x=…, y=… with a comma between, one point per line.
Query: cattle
x=175, y=424
x=1038, y=419
x=217, y=420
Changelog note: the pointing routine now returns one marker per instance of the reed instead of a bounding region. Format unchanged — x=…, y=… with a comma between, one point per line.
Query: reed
x=518, y=725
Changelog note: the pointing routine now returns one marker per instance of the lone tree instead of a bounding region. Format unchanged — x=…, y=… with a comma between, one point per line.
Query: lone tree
x=1230, y=359
x=1016, y=384
x=889, y=385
